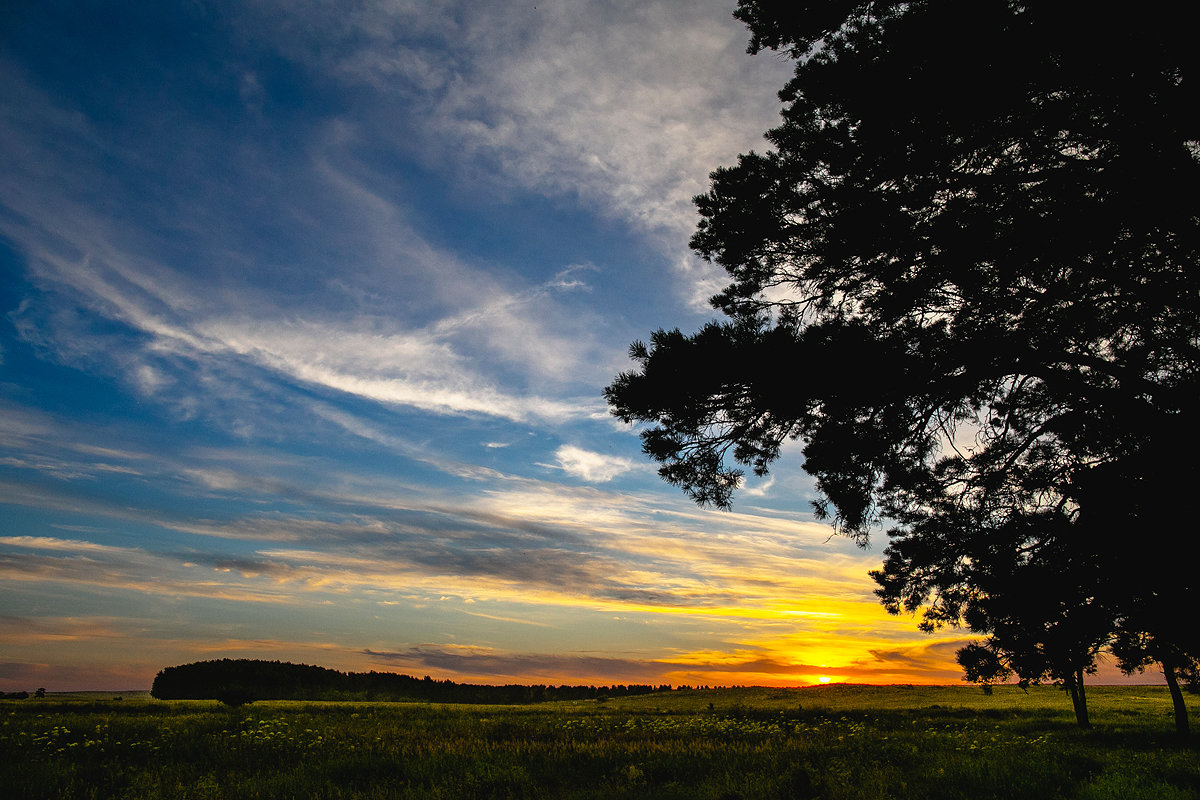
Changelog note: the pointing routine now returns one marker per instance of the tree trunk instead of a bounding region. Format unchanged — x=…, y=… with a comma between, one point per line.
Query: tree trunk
x=1181, y=715
x=1074, y=683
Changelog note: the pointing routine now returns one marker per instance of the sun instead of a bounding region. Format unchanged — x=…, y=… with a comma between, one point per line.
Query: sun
x=824, y=679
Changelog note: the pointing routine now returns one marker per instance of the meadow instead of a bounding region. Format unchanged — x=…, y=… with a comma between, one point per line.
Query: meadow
x=827, y=742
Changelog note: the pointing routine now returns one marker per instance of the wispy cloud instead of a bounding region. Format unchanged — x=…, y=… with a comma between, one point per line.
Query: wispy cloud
x=589, y=466
x=428, y=369
x=624, y=106
x=489, y=663
x=508, y=537
x=748, y=665
x=560, y=547
x=465, y=342
x=923, y=661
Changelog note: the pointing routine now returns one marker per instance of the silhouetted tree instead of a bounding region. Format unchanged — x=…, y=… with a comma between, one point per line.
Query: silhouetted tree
x=1023, y=583
x=1136, y=649
x=965, y=277
x=238, y=681
x=1046, y=625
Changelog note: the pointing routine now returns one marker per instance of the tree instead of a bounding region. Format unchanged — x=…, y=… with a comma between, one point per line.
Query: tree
x=1136, y=649
x=966, y=278
x=1045, y=621
x=1023, y=583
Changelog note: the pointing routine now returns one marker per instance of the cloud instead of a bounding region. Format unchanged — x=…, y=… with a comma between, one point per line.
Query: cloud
x=608, y=104
x=434, y=369
x=922, y=661
x=760, y=490
x=404, y=368
x=589, y=466
x=296, y=523
x=739, y=667
x=622, y=107
x=172, y=311
x=527, y=667
x=612, y=101
x=520, y=540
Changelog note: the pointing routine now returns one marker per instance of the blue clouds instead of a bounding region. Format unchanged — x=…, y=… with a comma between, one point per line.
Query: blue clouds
x=193, y=201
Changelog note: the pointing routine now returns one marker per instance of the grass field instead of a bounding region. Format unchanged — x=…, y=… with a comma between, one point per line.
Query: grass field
x=827, y=742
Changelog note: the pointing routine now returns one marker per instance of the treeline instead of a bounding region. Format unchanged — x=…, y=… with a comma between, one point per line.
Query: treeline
x=244, y=680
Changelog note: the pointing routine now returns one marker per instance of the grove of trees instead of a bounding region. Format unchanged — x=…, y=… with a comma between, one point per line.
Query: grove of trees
x=241, y=680
x=966, y=277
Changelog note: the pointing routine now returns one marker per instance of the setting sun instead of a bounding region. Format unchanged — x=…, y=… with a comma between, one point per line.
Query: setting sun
x=824, y=679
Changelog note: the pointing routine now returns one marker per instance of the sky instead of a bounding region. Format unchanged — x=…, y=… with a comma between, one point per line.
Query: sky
x=306, y=312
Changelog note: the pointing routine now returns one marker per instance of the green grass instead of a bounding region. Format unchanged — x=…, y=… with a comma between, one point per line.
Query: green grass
x=829, y=742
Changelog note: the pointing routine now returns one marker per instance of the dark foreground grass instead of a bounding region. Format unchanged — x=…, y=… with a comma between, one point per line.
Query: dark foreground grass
x=831, y=742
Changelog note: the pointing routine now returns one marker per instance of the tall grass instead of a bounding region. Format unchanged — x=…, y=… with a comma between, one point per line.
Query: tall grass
x=831, y=742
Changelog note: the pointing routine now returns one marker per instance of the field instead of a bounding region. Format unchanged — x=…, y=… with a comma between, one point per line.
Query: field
x=827, y=742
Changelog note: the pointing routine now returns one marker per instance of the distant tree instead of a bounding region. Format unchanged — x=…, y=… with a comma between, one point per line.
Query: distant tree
x=239, y=681
x=966, y=278
x=40, y=693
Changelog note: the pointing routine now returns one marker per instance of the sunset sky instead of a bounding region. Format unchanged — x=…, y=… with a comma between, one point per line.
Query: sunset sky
x=305, y=316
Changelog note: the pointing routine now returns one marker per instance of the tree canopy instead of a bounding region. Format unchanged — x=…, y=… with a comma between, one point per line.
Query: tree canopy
x=242, y=680
x=965, y=277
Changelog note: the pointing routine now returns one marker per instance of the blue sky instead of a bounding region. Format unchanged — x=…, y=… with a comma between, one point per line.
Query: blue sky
x=305, y=316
